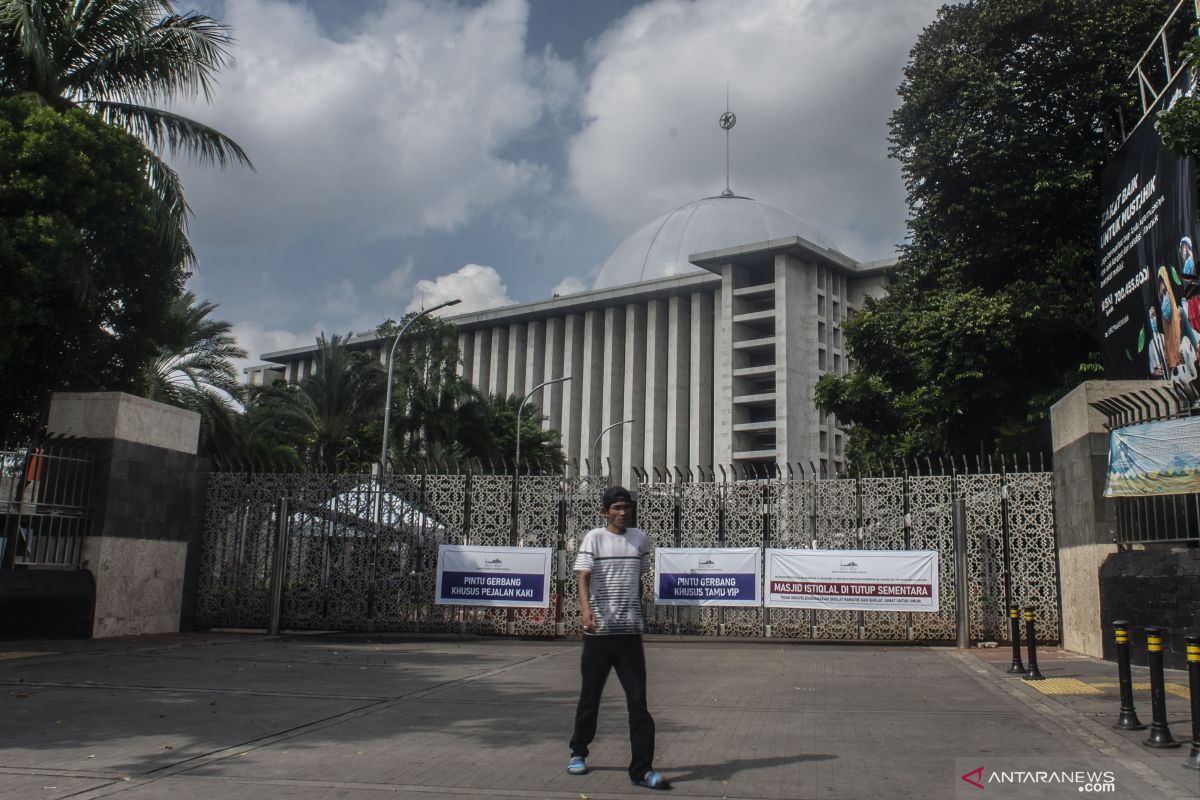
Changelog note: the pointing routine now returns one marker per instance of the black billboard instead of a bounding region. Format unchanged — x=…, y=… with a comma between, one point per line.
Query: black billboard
x=1147, y=301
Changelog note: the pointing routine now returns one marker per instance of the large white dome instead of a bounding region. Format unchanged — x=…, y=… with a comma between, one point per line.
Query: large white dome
x=661, y=248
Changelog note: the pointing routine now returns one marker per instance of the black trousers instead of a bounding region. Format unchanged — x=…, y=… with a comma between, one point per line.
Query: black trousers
x=624, y=654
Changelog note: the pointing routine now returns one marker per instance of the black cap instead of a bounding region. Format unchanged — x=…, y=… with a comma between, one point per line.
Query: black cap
x=615, y=494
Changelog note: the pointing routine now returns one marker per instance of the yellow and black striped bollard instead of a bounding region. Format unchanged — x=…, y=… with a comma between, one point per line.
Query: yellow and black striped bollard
x=1193, y=662
x=1014, y=620
x=1128, y=721
x=1033, y=673
x=1160, y=734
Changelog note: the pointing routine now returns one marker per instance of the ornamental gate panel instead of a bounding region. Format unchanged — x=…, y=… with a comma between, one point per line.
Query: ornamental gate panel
x=357, y=553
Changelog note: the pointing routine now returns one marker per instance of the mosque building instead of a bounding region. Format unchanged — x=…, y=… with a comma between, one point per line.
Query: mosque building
x=697, y=349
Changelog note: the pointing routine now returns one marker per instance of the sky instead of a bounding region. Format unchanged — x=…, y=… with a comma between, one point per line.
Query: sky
x=409, y=151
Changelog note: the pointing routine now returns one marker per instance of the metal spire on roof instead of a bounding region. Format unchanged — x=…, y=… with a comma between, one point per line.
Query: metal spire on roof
x=727, y=121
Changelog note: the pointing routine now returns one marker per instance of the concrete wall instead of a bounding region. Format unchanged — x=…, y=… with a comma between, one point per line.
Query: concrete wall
x=148, y=494
x=1159, y=586
x=1085, y=522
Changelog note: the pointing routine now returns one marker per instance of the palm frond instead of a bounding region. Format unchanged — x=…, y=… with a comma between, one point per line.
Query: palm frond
x=177, y=56
x=173, y=132
x=173, y=210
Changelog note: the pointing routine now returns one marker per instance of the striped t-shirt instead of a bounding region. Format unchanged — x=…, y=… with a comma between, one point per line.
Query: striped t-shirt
x=616, y=562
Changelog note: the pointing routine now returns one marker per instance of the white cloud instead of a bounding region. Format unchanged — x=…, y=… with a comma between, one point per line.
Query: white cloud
x=812, y=83
x=395, y=126
x=398, y=285
x=256, y=340
x=570, y=285
x=478, y=287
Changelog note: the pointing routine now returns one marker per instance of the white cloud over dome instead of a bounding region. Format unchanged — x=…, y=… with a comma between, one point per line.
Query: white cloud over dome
x=812, y=83
x=395, y=125
x=479, y=287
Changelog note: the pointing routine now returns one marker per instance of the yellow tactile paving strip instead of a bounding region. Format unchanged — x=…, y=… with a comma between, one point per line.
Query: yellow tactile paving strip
x=1064, y=686
x=1078, y=687
x=13, y=654
x=1176, y=689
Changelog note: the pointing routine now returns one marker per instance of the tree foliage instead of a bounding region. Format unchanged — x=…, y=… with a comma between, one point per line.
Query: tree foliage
x=87, y=279
x=1001, y=133
x=117, y=59
x=1179, y=126
x=332, y=416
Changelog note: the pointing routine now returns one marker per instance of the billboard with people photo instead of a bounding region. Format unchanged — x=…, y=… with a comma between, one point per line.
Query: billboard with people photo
x=1147, y=300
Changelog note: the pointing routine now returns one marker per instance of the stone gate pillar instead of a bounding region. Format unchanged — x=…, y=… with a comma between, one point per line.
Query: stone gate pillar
x=147, y=505
x=1086, y=523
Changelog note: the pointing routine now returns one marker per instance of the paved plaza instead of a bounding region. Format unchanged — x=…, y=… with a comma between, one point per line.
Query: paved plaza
x=208, y=716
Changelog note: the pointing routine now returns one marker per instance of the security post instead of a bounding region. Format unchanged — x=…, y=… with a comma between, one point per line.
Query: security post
x=1128, y=721
x=1160, y=734
x=1033, y=673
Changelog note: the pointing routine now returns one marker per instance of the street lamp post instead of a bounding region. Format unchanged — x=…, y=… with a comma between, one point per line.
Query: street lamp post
x=520, y=408
x=596, y=444
x=387, y=406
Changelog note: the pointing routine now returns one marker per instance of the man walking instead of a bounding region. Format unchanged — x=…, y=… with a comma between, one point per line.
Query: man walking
x=610, y=563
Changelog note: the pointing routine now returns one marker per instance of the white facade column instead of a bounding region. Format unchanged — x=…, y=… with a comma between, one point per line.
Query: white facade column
x=633, y=436
x=535, y=360
x=679, y=329
x=553, y=367
x=572, y=391
x=700, y=383
x=466, y=353
x=723, y=370
x=482, y=360
x=592, y=385
x=796, y=371
x=515, y=380
x=498, y=363
x=655, y=409
x=613, y=390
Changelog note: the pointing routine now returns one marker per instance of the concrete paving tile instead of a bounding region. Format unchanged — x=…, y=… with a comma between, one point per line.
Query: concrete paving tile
x=33, y=786
x=129, y=731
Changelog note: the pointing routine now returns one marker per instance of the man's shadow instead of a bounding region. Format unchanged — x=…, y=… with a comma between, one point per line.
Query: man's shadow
x=725, y=771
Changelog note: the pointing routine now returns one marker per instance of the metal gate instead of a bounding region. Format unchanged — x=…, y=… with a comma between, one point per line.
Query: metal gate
x=349, y=552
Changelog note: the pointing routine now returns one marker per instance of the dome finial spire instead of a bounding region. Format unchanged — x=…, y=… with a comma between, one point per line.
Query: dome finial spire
x=727, y=121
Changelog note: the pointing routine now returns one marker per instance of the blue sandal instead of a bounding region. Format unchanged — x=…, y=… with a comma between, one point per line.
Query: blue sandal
x=577, y=766
x=652, y=780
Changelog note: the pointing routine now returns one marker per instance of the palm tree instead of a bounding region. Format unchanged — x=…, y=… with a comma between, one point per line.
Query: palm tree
x=114, y=58
x=197, y=369
x=330, y=416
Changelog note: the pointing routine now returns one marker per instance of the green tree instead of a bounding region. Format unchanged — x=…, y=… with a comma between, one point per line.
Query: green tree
x=487, y=433
x=197, y=360
x=1179, y=126
x=195, y=370
x=427, y=391
x=1001, y=132
x=115, y=59
x=86, y=276
x=330, y=417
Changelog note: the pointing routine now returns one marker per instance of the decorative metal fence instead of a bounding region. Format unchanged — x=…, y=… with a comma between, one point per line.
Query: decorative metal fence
x=352, y=553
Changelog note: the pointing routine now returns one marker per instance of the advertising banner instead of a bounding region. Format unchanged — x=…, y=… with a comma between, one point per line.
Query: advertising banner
x=1146, y=299
x=514, y=577
x=852, y=580
x=707, y=576
x=1154, y=458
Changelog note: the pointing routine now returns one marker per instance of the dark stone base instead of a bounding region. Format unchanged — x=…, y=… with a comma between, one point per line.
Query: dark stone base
x=1151, y=587
x=46, y=604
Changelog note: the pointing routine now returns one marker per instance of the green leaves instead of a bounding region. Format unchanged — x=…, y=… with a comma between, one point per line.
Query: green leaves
x=1000, y=136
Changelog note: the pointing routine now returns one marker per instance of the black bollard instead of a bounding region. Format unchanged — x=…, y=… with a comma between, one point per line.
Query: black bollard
x=1160, y=734
x=1193, y=662
x=1014, y=620
x=1128, y=721
x=1033, y=673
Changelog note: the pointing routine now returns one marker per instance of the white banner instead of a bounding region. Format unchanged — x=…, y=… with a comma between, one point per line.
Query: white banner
x=853, y=580
x=514, y=577
x=707, y=576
